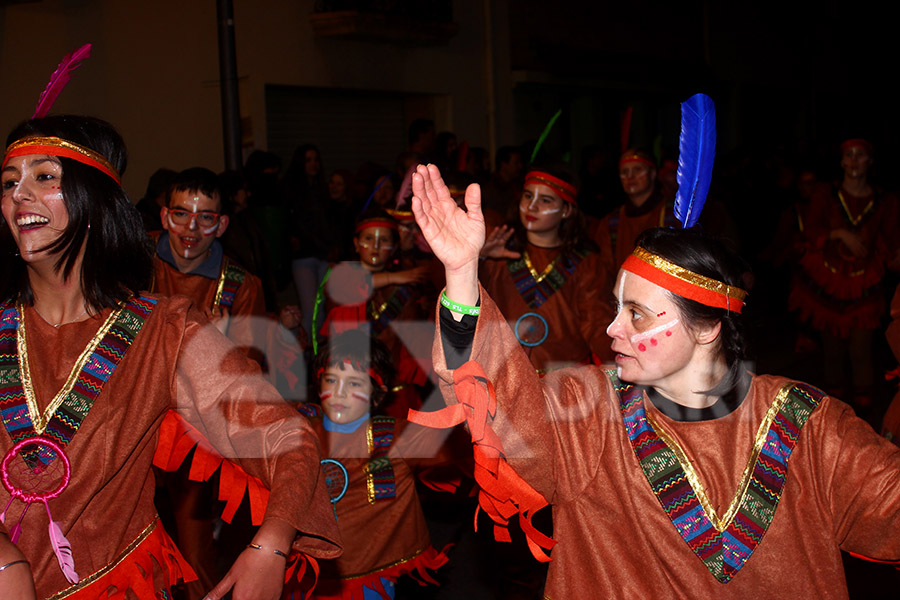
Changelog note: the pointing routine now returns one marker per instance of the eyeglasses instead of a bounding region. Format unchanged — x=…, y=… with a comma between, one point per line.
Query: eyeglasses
x=205, y=218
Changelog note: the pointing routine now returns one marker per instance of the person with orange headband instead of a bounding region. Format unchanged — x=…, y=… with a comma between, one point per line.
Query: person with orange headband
x=379, y=296
x=550, y=281
x=850, y=242
x=645, y=206
x=678, y=473
x=91, y=368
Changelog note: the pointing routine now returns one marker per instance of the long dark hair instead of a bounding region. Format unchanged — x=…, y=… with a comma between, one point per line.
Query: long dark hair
x=711, y=257
x=118, y=259
x=572, y=229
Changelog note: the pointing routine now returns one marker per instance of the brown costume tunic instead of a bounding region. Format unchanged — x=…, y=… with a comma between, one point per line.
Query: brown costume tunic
x=177, y=361
x=248, y=301
x=383, y=534
x=577, y=313
x=837, y=291
x=628, y=222
x=566, y=436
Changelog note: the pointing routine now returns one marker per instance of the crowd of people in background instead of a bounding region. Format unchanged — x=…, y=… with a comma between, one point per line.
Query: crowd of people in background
x=334, y=251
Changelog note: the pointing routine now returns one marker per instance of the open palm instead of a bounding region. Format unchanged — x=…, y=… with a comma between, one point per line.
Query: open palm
x=455, y=235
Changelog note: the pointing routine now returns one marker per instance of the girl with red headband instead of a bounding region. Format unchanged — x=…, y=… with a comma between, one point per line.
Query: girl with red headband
x=678, y=473
x=383, y=298
x=550, y=281
x=92, y=368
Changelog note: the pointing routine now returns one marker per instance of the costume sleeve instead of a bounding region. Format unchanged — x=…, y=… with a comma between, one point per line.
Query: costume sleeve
x=859, y=481
x=542, y=422
x=248, y=324
x=223, y=394
x=594, y=305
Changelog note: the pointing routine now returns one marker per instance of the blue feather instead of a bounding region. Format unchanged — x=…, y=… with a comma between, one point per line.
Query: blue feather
x=697, y=151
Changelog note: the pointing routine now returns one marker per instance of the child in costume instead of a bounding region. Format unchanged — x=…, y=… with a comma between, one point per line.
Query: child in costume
x=386, y=301
x=551, y=282
x=371, y=464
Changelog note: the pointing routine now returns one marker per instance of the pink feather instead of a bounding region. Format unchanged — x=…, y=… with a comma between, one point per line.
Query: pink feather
x=59, y=79
x=62, y=549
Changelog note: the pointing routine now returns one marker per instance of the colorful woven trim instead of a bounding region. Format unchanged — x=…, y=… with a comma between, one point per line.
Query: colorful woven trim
x=536, y=288
x=231, y=277
x=723, y=544
x=382, y=315
x=564, y=189
x=685, y=283
x=380, y=483
x=68, y=410
x=54, y=146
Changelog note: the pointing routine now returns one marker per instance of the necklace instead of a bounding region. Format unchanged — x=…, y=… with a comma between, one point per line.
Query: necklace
x=854, y=220
x=60, y=324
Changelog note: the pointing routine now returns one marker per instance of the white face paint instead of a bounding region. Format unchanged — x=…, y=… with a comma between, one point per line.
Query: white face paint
x=651, y=332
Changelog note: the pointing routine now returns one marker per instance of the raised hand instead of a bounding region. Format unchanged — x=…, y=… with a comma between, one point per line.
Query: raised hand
x=495, y=243
x=455, y=235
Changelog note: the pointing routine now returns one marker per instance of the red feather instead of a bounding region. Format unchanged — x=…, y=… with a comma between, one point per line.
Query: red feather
x=59, y=79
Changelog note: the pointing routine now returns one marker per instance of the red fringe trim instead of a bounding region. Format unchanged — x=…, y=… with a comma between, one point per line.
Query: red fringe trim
x=865, y=315
x=502, y=492
x=176, y=439
x=840, y=284
x=135, y=572
x=417, y=567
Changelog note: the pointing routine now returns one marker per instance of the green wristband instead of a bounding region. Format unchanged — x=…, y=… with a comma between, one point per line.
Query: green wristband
x=459, y=308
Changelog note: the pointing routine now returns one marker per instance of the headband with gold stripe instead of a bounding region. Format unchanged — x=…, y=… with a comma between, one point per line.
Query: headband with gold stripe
x=564, y=189
x=636, y=158
x=685, y=283
x=377, y=222
x=54, y=146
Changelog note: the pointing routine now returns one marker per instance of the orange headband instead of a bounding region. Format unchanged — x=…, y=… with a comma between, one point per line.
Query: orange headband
x=566, y=190
x=687, y=284
x=376, y=223
x=860, y=142
x=54, y=146
x=636, y=158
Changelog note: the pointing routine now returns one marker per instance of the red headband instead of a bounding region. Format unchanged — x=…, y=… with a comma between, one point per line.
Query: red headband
x=857, y=142
x=685, y=283
x=54, y=146
x=636, y=158
x=566, y=190
x=376, y=223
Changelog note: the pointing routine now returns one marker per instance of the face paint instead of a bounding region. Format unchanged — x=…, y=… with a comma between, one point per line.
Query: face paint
x=651, y=332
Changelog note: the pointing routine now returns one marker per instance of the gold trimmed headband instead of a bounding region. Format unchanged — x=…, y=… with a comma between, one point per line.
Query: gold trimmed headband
x=55, y=146
x=685, y=283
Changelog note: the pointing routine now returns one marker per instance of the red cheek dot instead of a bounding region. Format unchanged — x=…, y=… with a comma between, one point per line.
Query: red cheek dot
x=661, y=314
x=668, y=333
x=642, y=348
x=653, y=341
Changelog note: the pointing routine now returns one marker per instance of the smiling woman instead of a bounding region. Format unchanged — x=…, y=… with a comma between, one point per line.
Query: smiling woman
x=86, y=357
x=679, y=474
